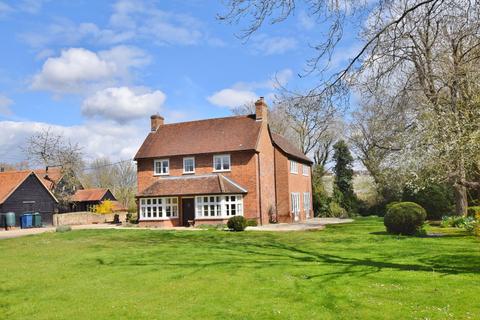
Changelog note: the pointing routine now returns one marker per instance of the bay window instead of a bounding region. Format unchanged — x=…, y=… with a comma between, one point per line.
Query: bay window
x=158, y=208
x=219, y=206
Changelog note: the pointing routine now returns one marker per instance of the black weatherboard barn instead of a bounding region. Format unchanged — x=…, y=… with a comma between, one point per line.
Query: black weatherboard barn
x=25, y=191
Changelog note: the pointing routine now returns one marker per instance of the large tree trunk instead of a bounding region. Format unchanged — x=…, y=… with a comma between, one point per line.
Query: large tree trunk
x=461, y=202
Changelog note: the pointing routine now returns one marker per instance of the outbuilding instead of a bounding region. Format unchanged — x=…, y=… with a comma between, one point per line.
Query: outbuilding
x=25, y=191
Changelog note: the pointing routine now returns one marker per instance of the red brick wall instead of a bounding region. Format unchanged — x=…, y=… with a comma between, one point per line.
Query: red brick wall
x=287, y=183
x=266, y=173
x=300, y=183
x=281, y=183
x=243, y=171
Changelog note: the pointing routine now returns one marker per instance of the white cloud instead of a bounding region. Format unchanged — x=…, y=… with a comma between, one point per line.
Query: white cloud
x=232, y=98
x=123, y=104
x=163, y=27
x=247, y=92
x=5, y=104
x=77, y=68
x=97, y=139
x=130, y=20
x=266, y=45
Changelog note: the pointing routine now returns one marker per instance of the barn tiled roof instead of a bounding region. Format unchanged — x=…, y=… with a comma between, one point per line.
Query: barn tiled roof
x=89, y=195
x=11, y=180
x=287, y=147
x=51, y=177
x=193, y=185
x=204, y=136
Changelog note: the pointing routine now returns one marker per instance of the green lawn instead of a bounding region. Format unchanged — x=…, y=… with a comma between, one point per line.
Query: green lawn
x=352, y=271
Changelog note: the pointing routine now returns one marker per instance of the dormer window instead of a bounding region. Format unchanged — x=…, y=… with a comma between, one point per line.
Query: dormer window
x=161, y=167
x=221, y=163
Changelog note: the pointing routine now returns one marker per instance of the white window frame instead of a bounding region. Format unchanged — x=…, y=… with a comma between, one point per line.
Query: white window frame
x=307, y=204
x=161, y=161
x=293, y=167
x=306, y=170
x=222, y=157
x=295, y=205
x=222, y=206
x=193, y=160
x=165, y=208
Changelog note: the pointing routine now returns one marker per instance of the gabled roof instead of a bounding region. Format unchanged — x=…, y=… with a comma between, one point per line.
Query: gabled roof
x=89, y=195
x=11, y=180
x=193, y=185
x=204, y=136
x=51, y=177
x=287, y=147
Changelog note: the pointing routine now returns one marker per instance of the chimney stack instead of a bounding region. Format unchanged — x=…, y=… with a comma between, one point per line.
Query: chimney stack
x=156, y=121
x=261, y=110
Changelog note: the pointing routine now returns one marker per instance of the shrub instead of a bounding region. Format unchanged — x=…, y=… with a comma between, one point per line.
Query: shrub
x=456, y=221
x=335, y=210
x=237, y=223
x=437, y=199
x=105, y=207
x=65, y=228
x=473, y=211
x=131, y=218
x=321, y=203
x=404, y=218
x=252, y=223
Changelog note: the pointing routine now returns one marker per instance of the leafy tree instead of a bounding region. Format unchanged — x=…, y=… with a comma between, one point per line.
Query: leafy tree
x=343, y=183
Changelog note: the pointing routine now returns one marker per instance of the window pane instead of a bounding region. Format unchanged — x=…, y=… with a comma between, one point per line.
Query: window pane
x=148, y=201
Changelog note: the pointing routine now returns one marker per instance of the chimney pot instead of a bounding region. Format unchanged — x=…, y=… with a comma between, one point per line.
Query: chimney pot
x=156, y=122
x=261, y=110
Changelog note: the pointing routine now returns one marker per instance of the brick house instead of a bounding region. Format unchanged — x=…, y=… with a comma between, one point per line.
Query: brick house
x=207, y=171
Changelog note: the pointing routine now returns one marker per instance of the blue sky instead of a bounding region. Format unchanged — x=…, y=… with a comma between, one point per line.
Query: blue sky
x=95, y=70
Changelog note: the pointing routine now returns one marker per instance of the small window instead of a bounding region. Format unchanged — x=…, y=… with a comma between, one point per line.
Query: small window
x=162, y=167
x=189, y=165
x=221, y=162
x=293, y=167
x=306, y=170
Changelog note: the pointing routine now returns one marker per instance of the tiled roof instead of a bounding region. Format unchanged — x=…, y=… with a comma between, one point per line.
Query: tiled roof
x=118, y=206
x=11, y=180
x=54, y=176
x=287, y=147
x=204, y=136
x=89, y=195
x=193, y=185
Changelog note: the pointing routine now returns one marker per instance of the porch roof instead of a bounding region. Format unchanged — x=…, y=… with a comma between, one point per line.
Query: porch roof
x=192, y=185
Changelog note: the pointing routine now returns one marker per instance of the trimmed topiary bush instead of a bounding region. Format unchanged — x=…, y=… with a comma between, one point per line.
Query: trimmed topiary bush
x=237, y=223
x=404, y=218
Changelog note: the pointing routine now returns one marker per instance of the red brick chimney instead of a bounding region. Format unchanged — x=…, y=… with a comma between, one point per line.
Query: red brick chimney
x=156, y=121
x=261, y=110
